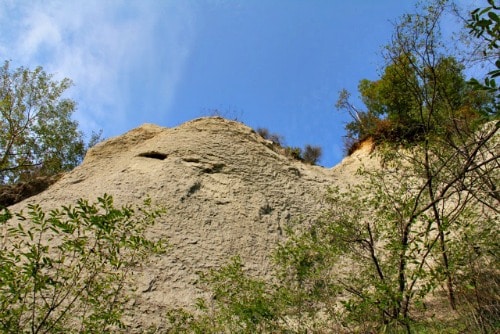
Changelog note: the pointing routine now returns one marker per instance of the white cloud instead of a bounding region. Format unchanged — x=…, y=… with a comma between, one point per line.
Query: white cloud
x=105, y=47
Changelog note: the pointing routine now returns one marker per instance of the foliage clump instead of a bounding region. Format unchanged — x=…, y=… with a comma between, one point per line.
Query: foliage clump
x=66, y=271
x=423, y=91
x=38, y=137
x=310, y=154
x=414, y=100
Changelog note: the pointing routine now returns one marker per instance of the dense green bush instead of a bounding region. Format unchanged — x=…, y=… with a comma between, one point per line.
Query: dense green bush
x=422, y=91
x=407, y=105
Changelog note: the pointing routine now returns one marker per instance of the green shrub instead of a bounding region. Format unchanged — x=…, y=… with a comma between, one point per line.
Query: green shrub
x=238, y=304
x=64, y=271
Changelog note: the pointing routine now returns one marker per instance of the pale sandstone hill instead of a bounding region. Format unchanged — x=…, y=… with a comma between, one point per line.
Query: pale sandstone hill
x=226, y=191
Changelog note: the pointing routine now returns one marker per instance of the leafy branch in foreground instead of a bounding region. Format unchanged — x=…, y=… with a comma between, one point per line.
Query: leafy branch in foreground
x=485, y=23
x=64, y=271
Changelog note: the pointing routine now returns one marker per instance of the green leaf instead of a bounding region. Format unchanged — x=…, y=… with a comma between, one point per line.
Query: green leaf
x=494, y=17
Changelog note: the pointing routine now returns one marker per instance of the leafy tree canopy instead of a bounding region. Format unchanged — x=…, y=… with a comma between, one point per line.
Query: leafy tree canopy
x=37, y=134
x=423, y=90
x=399, y=104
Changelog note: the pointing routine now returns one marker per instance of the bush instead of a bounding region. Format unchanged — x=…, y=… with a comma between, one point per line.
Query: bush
x=273, y=137
x=312, y=154
x=64, y=271
x=239, y=304
x=294, y=152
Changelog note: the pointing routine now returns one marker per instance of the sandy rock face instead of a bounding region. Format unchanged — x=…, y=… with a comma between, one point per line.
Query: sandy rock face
x=225, y=190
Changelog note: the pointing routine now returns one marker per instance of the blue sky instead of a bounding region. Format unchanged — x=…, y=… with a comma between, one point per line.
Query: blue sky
x=268, y=63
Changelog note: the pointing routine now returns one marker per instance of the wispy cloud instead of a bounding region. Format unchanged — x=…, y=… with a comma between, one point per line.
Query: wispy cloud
x=108, y=48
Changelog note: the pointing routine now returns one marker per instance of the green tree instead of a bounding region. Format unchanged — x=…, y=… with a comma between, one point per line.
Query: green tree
x=38, y=135
x=422, y=90
x=66, y=271
x=424, y=99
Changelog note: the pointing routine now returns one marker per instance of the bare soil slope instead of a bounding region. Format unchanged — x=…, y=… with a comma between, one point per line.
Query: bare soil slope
x=225, y=190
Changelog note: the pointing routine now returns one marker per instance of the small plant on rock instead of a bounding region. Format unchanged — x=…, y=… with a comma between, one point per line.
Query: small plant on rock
x=312, y=154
